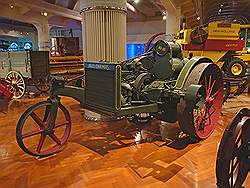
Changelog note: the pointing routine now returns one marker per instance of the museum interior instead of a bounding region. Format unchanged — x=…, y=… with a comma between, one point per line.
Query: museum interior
x=124, y=93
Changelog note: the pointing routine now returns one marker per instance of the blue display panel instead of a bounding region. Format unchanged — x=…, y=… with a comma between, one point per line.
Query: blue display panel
x=13, y=46
x=134, y=50
x=28, y=46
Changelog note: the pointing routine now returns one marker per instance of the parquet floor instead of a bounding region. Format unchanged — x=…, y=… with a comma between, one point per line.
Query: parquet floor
x=104, y=154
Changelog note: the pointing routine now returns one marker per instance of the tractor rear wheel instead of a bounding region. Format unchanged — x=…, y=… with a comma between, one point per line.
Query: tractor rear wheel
x=199, y=120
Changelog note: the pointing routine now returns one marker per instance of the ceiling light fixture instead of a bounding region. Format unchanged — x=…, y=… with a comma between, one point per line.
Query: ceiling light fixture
x=198, y=18
x=44, y=14
x=136, y=1
x=130, y=7
x=164, y=17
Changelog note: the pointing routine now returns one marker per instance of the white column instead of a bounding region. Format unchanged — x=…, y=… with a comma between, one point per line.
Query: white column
x=104, y=28
x=173, y=21
x=173, y=15
x=43, y=34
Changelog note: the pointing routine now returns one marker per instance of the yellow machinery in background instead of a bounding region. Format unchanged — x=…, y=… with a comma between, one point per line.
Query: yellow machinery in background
x=227, y=45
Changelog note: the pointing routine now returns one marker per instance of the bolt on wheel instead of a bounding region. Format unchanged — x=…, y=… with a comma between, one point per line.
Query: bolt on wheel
x=33, y=135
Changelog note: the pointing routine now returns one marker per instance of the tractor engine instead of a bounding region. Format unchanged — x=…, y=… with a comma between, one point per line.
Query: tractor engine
x=145, y=76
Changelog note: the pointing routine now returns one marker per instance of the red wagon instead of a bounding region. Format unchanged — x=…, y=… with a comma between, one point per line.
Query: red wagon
x=5, y=92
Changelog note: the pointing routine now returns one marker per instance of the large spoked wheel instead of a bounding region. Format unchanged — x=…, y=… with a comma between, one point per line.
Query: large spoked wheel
x=32, y=133
x=232, y=163
x=42, y=85
x=16, y=83
x=199, y=121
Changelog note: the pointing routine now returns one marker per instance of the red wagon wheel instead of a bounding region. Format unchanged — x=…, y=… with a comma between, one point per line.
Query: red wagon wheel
x=200, y=121
x=233, y=163
x=32, y=134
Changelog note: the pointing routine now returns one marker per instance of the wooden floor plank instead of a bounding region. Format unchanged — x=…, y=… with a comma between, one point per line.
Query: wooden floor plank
x=104, y=154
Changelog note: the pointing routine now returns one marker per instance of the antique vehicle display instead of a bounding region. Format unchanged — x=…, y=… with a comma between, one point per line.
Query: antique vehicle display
x=64, y=46
x=226, y=44
x=20, y=69
x=233, y=165
x=160, y=84
x=219, y=41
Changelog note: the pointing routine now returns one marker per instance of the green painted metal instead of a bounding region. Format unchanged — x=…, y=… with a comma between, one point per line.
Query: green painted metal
x=76, y=93
x=188, y=68
x=131, y=110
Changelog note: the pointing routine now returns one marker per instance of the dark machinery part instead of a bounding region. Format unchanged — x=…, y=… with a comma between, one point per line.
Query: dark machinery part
x=235, y=86
x=233, y=158
x=198, y=35
x=159, y=84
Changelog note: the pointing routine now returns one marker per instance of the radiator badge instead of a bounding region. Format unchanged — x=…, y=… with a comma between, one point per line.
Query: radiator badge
x=99, y=66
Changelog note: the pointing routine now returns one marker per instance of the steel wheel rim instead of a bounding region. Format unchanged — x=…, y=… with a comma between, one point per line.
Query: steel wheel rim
x=232, y=163
x=16, y=83
x=42, y=85
x=186, y=115
x=42, y=124
x=206, y=116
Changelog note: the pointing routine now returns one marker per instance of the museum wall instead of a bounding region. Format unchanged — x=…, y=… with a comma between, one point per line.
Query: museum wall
x=140, y=32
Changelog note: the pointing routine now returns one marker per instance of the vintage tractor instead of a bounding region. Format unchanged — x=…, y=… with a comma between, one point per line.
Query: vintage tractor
x=159, y=84
x=233, y=158
x=225, y=44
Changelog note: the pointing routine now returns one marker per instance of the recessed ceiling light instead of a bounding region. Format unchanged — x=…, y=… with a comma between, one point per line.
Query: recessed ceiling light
x=11, y=6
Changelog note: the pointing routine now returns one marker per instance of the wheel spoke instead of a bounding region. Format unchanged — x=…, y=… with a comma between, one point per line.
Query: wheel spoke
x=62, y=124
x=32, y=133
x=208, y=86
x=55, y=138
x=37, y=120
x=40, y=144
x=238, y=140
x=18, y=80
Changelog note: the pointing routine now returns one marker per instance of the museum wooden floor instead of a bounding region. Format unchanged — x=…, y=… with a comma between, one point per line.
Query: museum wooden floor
x=105, y=155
